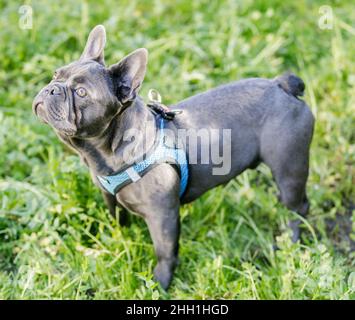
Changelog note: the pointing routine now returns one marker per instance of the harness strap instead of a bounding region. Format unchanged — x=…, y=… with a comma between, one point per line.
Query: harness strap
x=161, y=154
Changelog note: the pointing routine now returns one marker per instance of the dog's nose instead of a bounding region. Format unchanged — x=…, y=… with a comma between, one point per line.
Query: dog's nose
x=53, y=90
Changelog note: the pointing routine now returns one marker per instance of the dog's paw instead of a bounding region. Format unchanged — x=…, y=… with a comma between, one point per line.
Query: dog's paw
x=163, y=273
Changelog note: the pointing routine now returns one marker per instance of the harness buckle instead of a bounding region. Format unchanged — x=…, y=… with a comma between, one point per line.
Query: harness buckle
x=133, y=174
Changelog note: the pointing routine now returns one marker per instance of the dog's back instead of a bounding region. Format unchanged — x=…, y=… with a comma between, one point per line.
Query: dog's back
x=251, y=98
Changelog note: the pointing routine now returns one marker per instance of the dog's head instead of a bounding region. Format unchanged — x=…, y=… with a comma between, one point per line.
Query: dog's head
x=84, y=96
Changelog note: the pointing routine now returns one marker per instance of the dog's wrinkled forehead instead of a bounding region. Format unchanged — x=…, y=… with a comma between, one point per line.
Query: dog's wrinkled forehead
x=80, y=71
x=89, y=74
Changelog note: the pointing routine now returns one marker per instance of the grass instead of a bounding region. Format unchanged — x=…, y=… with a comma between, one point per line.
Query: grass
x=57, y=240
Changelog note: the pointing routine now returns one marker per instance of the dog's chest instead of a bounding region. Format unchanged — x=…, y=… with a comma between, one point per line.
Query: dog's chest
x=99, y=160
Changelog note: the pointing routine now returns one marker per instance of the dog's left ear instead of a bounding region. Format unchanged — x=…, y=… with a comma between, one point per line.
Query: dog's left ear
x=94, y=49
x=128, y=74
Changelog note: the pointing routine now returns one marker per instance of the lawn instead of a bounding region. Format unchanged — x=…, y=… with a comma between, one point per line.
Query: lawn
x=57, y=240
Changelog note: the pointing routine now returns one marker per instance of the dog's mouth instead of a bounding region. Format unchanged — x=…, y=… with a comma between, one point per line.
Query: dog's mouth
x=37, y=107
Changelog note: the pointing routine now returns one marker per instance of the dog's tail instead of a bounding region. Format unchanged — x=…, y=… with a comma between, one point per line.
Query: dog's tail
x=291, y=84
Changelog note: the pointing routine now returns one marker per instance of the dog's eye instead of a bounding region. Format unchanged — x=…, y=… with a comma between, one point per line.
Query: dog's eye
x=81, y=92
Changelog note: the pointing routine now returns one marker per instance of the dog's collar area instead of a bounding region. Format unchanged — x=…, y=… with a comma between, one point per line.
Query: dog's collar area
x=163, y=153
x=158, y=108
x=163, y=111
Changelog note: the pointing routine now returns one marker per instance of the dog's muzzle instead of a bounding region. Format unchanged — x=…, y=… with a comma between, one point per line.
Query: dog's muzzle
x=53, y=106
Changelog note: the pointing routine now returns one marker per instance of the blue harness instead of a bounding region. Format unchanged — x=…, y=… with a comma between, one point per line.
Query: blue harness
x=162, y=153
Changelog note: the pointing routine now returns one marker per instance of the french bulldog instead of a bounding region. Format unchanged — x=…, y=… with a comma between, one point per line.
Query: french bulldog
x=91, y=106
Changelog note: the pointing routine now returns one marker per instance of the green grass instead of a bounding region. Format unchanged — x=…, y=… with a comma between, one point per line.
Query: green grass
x=57, y=240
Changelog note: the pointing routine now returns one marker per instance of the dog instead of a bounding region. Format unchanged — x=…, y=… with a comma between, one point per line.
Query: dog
x=90, y=106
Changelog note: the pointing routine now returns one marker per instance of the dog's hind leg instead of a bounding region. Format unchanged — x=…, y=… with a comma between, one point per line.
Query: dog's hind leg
x=285, y=147
x=292, y=188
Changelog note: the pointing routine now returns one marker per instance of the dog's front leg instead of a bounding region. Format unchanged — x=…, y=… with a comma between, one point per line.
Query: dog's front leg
x=155, y=198
x=164, y=228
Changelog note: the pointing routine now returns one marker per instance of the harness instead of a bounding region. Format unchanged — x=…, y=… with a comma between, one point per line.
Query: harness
x=163, y=152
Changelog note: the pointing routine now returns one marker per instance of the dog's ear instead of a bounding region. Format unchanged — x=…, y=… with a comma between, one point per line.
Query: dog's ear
x=94, y=49
x=128, y=74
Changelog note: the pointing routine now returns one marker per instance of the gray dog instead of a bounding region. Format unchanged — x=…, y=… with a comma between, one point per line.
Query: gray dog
x=91, y=106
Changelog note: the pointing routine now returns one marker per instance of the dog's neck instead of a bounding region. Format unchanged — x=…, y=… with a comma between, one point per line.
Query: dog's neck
x=114, y=149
